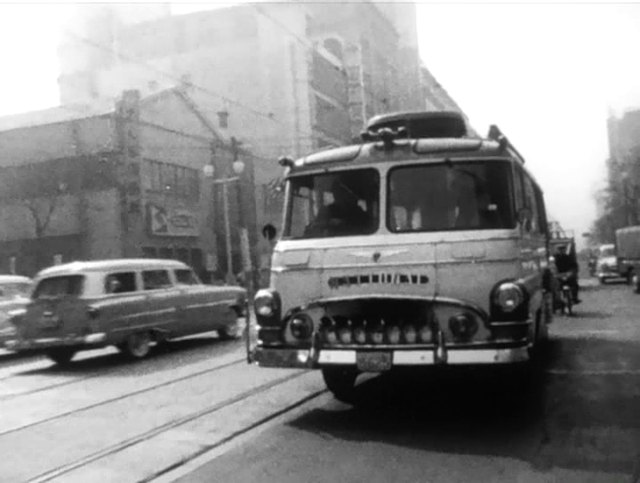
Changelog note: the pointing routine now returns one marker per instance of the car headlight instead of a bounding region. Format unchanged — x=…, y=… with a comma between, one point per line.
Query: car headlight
x=301, y=326
x=508, y=297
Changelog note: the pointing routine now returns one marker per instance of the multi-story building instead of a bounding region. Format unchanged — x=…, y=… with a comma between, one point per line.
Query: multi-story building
x=284, y=78
x=80, y=183
x=623, y=167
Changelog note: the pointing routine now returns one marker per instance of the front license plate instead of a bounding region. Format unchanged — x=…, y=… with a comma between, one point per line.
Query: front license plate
x=373, y=361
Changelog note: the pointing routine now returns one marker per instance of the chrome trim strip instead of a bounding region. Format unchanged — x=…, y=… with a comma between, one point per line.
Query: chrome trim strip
x=209, y=304
x=303, y=358
x=510, y=324
x=337, y=357
x=412, y=358
x=409, y=263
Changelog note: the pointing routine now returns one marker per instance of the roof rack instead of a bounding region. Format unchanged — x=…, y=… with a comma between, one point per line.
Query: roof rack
x=426, y=124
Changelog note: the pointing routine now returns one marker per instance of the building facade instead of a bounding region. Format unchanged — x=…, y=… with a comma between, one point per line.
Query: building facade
x=127, y=181
x=623, y=168
x=284, y=78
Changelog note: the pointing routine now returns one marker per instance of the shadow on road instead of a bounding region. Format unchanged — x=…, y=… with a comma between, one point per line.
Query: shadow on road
x=567, y=417
x=162, y=357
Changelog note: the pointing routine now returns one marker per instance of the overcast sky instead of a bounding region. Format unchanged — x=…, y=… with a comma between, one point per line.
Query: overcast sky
x=547, y=74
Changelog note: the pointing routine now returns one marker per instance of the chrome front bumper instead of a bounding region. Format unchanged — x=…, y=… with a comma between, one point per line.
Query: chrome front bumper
x=308, y=359
x=91, y=340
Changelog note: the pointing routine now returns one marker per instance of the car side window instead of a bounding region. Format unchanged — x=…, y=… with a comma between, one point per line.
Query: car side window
x=185, y=276
x=155, y=279
x=121, y=282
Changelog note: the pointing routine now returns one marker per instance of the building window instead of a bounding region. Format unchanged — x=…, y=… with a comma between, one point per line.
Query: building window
x=172, y=178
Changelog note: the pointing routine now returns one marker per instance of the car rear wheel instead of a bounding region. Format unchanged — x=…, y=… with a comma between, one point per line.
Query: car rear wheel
x=341, y=381
x=61, y=356
x=138, y=345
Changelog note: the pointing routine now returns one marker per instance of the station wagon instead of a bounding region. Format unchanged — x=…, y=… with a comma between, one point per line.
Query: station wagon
x=128, y=303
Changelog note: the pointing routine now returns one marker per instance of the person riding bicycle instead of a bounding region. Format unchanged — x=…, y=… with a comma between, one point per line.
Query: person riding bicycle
x=567, y=265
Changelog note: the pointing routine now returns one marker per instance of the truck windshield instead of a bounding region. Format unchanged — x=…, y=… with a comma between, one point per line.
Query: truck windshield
x=341, y=203
x=450, y=196
x=607, y=252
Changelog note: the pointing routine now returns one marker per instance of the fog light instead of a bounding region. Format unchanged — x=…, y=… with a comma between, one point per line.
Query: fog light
x=409, y=333
x=301, y=326
x=393, y=334
x=424, y=334
x=463, y=326
x=344, y=333
x=377, y=333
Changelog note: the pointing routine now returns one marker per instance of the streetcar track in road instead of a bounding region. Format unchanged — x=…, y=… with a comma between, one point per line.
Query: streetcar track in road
x=125, y=396
x=181, y=421
x=235, y=435
x=36, y=366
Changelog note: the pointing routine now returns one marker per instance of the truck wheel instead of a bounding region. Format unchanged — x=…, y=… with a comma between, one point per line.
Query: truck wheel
x=341, y=382
x=636, y=283
x=138, y=345
x=61, y=356
x=629, y=277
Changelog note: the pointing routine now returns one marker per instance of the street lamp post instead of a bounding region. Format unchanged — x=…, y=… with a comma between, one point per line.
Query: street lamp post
x=209, y=172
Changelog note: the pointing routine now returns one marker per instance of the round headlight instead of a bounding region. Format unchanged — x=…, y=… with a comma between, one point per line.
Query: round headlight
x=301, y=326
x=463, y=326
x=264, y=303
x=508, y=297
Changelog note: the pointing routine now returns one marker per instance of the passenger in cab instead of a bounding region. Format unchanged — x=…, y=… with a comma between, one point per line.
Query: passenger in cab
x=567, y=264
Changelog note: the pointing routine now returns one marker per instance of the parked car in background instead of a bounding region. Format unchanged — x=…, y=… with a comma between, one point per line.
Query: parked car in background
x=129, y=303
x=14, y=294
x=628, y=252
x=607, y=264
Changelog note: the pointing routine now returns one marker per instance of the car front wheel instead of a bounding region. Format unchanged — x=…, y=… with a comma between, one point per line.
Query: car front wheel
x=61, y=356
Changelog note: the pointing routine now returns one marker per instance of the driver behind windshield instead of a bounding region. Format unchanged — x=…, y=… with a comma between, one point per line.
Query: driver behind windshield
x=343, y=216
x=567, y=265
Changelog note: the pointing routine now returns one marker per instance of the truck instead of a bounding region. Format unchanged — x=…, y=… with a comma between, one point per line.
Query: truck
x=628, y=254
x=422, y=245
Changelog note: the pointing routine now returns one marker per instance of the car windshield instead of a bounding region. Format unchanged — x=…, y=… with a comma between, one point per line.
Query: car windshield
x=11, y=290
x=54, y=287
x=450, y=196
x=337, y=204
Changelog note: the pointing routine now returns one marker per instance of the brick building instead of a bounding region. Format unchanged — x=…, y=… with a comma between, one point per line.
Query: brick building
x=81, y=183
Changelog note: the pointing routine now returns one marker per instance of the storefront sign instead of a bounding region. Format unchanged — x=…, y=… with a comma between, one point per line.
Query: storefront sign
x=164, y=221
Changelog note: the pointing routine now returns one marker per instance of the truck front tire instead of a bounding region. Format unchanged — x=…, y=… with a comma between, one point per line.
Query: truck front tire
x=341, y=381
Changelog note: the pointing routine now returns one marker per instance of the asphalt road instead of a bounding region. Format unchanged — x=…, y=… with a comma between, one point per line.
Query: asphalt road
x=580, y=421
x=196, y=412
